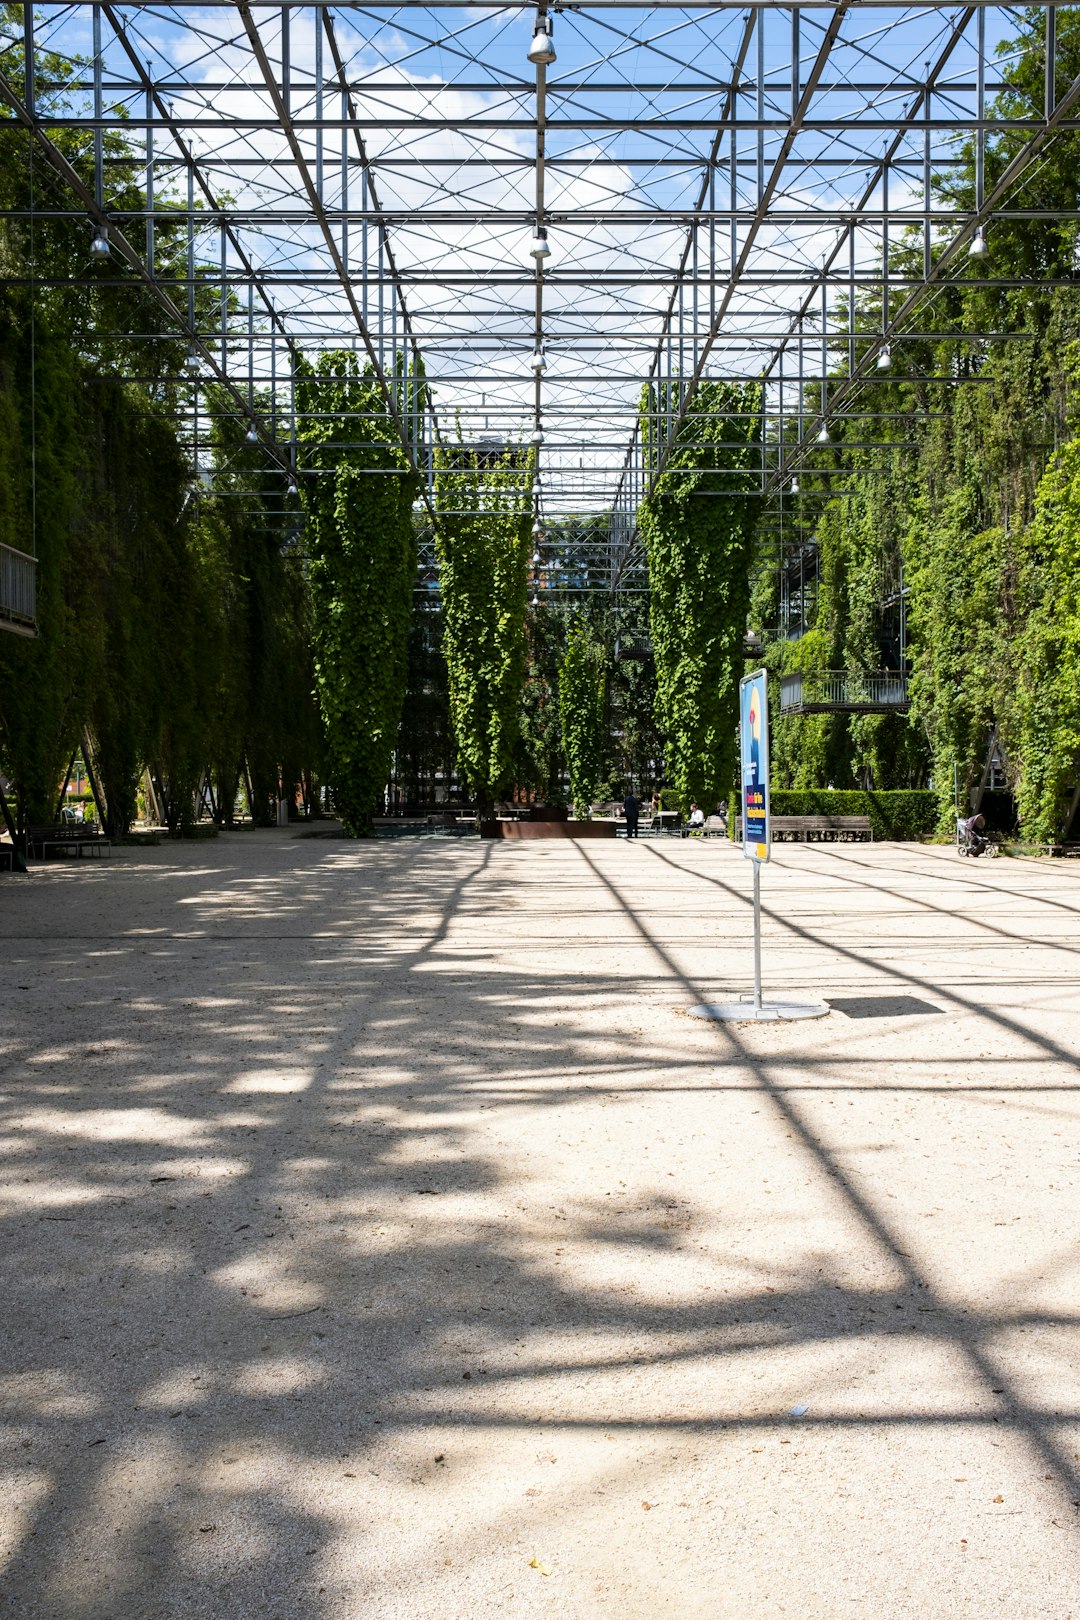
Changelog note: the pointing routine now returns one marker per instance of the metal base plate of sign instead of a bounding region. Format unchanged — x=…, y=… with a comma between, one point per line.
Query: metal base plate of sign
x=758, y=1012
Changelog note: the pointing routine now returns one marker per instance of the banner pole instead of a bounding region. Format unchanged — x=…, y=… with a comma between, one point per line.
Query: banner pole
x=757, y=936
x=756, y=847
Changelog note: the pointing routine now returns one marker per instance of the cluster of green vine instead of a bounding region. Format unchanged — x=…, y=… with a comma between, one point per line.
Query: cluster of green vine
x=698, y=526
x=171, y=625
x=171, y=617
x=358, y=488
x=1047, y=696
x=974, y=507
x=539, y=767
x=582, y=709
x=482, y=541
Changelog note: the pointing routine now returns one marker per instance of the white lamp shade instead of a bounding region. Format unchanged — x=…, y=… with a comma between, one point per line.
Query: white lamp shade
x=541, y=51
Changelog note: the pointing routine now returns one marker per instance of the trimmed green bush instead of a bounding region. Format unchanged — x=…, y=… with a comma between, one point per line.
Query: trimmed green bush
x=905, y=815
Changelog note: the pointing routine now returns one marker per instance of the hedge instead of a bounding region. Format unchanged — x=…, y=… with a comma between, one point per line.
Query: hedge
x=904, y=815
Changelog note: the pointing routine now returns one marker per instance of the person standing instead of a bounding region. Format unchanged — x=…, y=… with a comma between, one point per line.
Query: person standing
x=631, y=806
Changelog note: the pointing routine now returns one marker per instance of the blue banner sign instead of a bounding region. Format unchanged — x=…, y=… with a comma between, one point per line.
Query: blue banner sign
x=754, y=762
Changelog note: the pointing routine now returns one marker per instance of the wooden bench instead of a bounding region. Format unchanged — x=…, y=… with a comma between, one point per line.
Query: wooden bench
x=68, y=837
x=823, y=827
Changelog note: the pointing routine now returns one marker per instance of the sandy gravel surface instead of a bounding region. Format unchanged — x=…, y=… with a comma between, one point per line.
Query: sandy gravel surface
x=383, y=1241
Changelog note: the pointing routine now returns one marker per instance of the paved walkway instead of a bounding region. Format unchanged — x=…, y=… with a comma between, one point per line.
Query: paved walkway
x=381, y=1240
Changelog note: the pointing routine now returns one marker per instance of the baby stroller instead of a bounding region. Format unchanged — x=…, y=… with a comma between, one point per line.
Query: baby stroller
x=971, y=836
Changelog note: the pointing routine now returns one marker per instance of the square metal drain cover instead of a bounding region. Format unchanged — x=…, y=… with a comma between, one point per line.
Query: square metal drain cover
x=882, y=1006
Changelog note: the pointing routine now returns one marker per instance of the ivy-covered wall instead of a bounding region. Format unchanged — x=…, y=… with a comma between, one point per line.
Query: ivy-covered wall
x=964, y=514
x=172, y=610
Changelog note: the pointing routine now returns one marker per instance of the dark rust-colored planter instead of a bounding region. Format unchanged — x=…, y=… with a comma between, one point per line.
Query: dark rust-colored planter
x=554, y=829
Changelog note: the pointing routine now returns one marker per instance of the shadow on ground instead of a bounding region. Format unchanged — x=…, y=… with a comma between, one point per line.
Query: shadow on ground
x=264, y=1275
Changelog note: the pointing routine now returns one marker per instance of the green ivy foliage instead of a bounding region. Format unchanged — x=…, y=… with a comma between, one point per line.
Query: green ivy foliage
x=573, y=575
x=482, y=542
x=255, y=623
x=146, y=640
x=582, y=710
x=539, y=766
x=358, y=488
x=974, y=507
x=968, y=513
x=171, y=623
x=1047, y=692
x=42, y=461
x=698, y=526
x=424, y=753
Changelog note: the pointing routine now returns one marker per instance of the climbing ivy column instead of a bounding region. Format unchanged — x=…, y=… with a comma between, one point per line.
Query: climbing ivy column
x=358, y=489
x=482, y=541
x=1048, y=694
x=582, y=702
x=698, y=526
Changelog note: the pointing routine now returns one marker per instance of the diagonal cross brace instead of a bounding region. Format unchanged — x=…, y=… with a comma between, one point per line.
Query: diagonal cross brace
x=319, y=214
x=1008, y=178
x=798, y=116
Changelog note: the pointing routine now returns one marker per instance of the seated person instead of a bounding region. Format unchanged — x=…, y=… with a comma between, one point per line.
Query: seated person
x=697, y=817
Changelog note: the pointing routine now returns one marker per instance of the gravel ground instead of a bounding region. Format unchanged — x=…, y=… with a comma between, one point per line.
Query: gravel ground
x=382, y=1239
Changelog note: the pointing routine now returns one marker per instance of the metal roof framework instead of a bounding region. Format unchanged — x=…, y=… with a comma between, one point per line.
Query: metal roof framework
x=719, y=188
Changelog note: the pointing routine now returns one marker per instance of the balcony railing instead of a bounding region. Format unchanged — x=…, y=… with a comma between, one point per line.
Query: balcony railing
x=843, y=691
x=18, y=592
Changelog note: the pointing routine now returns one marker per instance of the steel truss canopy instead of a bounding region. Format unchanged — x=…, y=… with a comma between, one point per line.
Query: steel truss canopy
x=550, y=206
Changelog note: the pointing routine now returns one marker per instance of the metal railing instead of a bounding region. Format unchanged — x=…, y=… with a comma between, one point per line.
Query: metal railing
x=18, y=591
x=822, y=691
